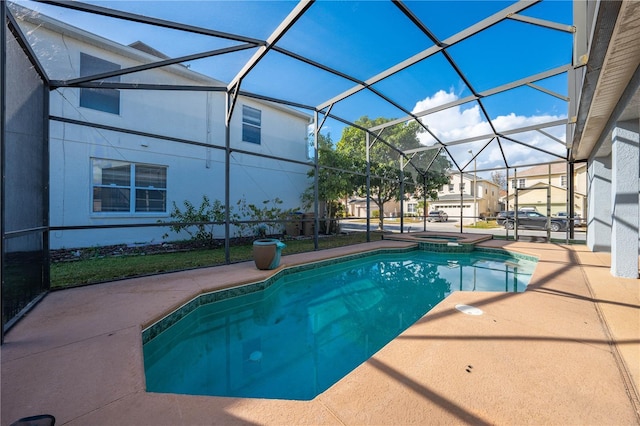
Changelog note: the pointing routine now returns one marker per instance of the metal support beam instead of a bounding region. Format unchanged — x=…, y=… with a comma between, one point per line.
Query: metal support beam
x=550, y=136
x=549, y=204
x=500, y=134
x=316, y=181
x=543, y=23
x=113, y=13
x=324, y=117
x=277, y=34
x=232, y=97
x=156, y=64
x=227, y=179
x=548, y=92
x=503, y=88
x=461, y=201
x=24, y=43
x=424, y=202
x=515, y=204
x=3, y=113
x=553, y=154
x=368, y=161
x=571, y=210
x=462, y=35
x=401, y=196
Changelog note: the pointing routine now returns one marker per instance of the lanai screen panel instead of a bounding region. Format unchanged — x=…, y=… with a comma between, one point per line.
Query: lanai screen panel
x=25, y=177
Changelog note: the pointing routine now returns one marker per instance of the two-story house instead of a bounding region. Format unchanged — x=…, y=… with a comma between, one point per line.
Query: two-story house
x=124, y=156
x=477, y=196
x=534, y=183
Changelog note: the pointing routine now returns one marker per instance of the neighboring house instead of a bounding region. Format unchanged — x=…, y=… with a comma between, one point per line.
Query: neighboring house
x=486, y=200
x=532, y=184
x=357, y=207
x=477, y=201
x=152, y=148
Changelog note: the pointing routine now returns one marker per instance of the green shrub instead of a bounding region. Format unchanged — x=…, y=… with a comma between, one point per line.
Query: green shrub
x=199, y=221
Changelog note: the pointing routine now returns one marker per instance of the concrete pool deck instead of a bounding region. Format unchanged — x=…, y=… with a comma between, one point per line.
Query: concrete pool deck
x=566, y=351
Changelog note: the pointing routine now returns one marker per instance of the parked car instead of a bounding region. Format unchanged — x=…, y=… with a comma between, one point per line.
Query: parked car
x=530, y=219
x=501, y=216
x=577, y=220
x=437, y=216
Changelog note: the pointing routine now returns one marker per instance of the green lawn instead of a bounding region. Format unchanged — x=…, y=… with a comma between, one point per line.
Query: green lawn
x=69, y=274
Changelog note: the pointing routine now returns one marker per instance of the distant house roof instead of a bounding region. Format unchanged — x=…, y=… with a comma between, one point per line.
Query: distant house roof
x=467, y=176
x=144, y=47
x=543, y=169
x=452, y=197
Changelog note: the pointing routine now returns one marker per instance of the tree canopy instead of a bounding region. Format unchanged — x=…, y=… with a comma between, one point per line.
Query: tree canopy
x=423, y=175
x=342, y=171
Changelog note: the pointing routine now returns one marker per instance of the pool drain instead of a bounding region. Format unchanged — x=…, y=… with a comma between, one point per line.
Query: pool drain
x=469, y=310
x=255, y=356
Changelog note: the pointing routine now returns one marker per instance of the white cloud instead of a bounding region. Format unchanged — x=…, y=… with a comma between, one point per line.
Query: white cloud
x=466, y=121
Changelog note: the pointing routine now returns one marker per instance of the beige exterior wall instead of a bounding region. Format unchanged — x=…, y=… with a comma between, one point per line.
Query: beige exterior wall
x=540, y=174
x=485, y=200
x=538, y=177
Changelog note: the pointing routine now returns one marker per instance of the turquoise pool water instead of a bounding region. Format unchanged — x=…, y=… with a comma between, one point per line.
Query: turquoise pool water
x=309, y=329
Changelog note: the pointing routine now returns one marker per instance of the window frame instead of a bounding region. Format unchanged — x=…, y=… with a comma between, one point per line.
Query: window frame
x=133, y=186
x=104, y=100
x=251, y=126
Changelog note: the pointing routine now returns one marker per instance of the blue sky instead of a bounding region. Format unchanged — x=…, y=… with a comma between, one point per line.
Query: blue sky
x=362, y=39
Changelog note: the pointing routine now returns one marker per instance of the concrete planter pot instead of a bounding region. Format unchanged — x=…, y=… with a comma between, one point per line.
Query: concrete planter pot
x=266, y=253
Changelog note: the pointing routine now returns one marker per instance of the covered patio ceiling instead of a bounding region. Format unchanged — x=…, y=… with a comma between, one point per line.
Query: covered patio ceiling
x=487, y=81
x=612, y=80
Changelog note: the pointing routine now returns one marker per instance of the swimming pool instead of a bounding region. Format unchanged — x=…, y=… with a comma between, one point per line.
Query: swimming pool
x=309, y=328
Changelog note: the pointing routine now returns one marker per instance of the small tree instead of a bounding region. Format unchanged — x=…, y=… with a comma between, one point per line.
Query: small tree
x=335, y=182
x=196, y=221
x=386, y=176
x=270, y=217
x=499, y=178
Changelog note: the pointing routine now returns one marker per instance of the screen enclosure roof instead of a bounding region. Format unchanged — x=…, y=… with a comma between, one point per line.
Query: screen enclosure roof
x=486, y=80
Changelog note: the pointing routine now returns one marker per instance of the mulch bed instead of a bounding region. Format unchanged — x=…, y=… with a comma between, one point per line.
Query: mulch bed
x=84, y=253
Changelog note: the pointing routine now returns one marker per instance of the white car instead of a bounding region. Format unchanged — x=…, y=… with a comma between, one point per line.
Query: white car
x=437, y=216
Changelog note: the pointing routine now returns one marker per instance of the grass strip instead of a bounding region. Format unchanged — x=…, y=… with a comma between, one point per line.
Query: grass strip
x=109, y=268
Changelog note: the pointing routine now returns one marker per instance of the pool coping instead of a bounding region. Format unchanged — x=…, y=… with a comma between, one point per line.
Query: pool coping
x=429, y=240
x=571, y=338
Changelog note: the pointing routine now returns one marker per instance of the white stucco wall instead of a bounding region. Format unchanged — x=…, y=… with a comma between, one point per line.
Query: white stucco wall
x=192, y=171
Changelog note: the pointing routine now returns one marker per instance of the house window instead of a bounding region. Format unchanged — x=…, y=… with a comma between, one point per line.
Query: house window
x=411, y=208
x=521, y=183
x=563, y=181
x=121, y=187
x=251, y=123
x=107, y=100
x=451, y=187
